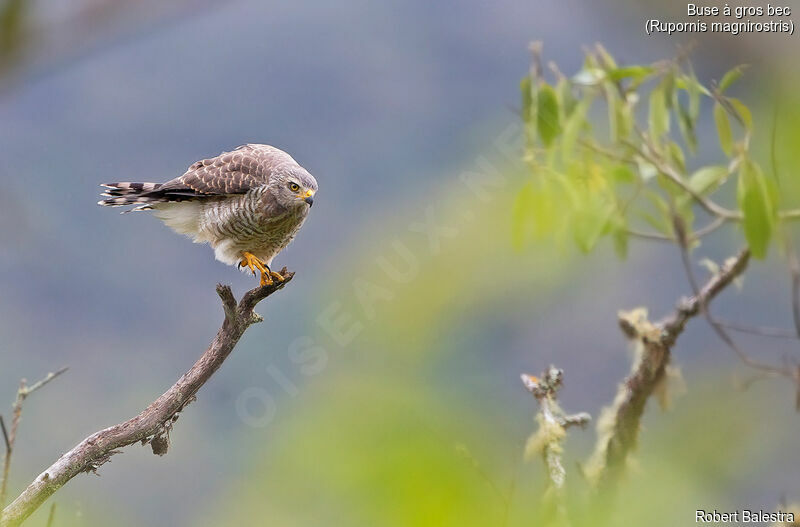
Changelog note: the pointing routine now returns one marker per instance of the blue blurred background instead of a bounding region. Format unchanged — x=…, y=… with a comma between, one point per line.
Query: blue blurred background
x=407, y=411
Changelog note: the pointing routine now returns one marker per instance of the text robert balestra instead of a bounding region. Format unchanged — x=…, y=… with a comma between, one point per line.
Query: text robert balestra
x=742, y=516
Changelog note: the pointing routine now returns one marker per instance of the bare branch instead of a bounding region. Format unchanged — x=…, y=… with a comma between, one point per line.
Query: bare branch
x=761, y=331
x=683, y=244
x=553, y=423
x=10, y=437
x=228, y=302
x=156, y=420
x=657, y=236
x=715, y=224
x=618, y=425
x=26, y=391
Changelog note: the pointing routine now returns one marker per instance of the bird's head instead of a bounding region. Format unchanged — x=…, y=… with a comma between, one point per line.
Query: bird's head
x=294, y=188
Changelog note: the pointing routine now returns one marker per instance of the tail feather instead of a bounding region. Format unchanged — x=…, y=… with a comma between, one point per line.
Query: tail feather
x=129, y=193
x=143, y=194
x=125, y=187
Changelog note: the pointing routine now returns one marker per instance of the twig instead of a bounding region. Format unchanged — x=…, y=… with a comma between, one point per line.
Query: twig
x=715, y=224
x=39, y=384
x=666, y=169
x=154, y=422
x=10, y=437
x=553, y=423
x=709, y=205
x=657, y=236
x=746, y=383
x=761, y=331
x=683, y=244
x=618, y=425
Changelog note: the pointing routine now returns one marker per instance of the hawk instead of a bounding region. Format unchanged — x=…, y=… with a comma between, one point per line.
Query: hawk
x=247, y=204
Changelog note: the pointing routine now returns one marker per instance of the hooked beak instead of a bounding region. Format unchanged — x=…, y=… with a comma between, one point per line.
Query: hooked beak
x=308, y=197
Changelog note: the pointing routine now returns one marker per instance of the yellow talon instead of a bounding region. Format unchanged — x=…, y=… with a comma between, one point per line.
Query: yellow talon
x=252, y=262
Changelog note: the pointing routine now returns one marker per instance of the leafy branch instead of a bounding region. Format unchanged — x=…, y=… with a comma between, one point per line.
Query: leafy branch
x=618, y=181
x=634, y=179
x=633, y=174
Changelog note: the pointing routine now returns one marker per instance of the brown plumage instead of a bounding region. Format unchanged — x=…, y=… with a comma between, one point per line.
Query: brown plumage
x=248, y=204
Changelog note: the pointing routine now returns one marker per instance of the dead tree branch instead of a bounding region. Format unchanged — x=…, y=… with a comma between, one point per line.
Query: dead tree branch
x=10, y=437
x=618, y=426
x=155, y=421
x=546, y=441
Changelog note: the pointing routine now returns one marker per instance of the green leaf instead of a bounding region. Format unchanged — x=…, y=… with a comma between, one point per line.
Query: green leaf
x=547, y=115
x=605, y=56
x=706, y=179
x=624, y=120
x=723, y=129
x=686, y=125
x=633, y=72
x=694, y=90
x=662, y=223
x=619, y=234
x=527, y=98
x=588, y=223
x=668, y=86
x=658, y=119
x=566, y=97
x=614, y=112
x=730, y=77
x=743, y=112
x=572, y=128
x=676, y=155
x=757, y=207
x=623, y=174
x=691, y=84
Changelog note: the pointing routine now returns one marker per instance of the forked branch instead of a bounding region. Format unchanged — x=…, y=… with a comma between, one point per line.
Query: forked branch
x=153, y=424
x=618, y=426
x=10, y=436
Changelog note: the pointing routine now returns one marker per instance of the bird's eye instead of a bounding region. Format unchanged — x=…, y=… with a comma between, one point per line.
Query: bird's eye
x=294, y=187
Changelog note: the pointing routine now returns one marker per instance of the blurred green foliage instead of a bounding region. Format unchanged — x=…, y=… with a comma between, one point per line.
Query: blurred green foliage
x=381, y=454
x=639, y=170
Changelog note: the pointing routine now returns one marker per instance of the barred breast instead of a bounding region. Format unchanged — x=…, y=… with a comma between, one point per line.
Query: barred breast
x=236, y=224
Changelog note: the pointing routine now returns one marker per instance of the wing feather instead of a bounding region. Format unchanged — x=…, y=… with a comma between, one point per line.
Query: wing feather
x=236, y=172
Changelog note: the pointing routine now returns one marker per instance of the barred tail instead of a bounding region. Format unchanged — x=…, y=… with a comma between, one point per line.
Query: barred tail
x=127, y=193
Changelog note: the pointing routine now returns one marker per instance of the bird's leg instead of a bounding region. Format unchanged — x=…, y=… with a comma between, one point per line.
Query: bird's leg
x=252, y=262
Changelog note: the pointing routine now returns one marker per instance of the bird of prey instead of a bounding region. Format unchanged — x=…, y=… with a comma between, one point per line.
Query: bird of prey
x=247, y=204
